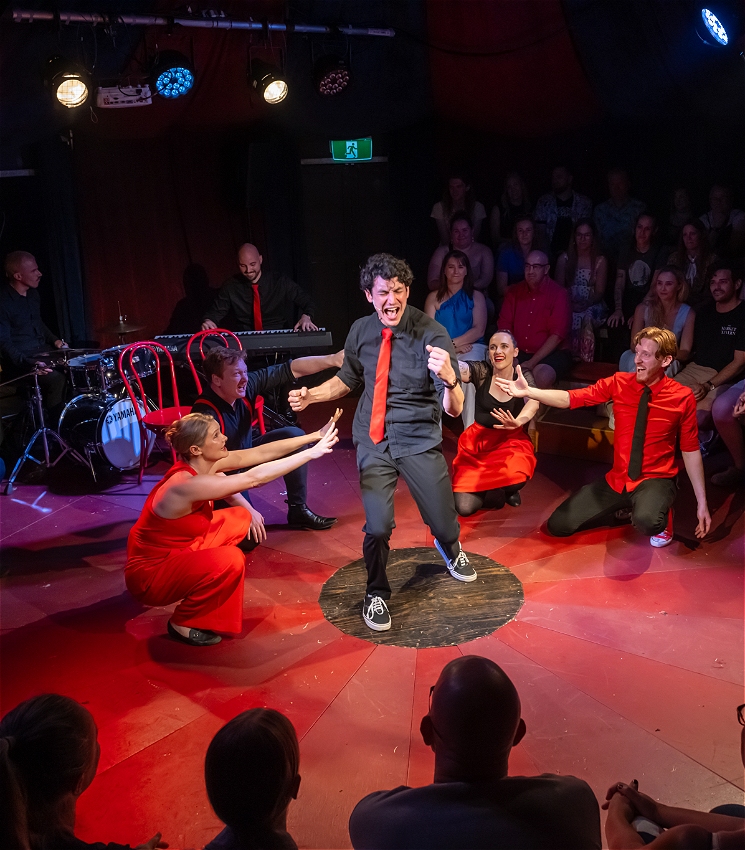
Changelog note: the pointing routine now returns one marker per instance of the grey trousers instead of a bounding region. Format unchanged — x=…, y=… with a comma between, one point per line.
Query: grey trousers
x=426, y=475
x=650, y=502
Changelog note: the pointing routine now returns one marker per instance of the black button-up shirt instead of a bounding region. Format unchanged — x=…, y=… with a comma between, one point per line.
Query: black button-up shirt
x=282, y=302
x=22, y=332
x=235, y=419
x=414, y=400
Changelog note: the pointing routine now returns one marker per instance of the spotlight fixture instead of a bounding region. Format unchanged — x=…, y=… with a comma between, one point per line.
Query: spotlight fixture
x=69, y=83
x=714, y=28
x=268, y=82
x=331, y=75
x=172, y=75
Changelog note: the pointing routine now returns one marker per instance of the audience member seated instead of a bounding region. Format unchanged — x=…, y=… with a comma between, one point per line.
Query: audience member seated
x=511, y=259
x=637, y=264
x=461, y=310
x=694, y=257
x=728, y=412
x=473, y=723
x=48, y=756
x=718, y=344
x=462, y=239
x=637, y=820
x=583, y=270
x=495, y=456
x=681, y=211
x=538, y=314
x=665, y=307
x=251, y=774
x=557, y=212
x=616, y=217
x=513, y=205
x=458, y=197
x=187, y=314
x=725, y=225
x=23, y=335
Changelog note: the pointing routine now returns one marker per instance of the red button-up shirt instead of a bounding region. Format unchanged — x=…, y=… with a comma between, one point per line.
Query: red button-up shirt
x=672, y=414
x=534, y=316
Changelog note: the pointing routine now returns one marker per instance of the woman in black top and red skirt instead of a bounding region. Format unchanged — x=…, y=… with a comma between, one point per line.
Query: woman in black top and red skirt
x=495, y=455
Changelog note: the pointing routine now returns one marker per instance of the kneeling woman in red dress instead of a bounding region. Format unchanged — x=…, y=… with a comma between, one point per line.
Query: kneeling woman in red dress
x=495, y=456
x=180, y=550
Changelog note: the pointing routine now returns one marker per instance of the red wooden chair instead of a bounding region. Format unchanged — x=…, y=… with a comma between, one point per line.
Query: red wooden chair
x=159, y=420
x=257, y=410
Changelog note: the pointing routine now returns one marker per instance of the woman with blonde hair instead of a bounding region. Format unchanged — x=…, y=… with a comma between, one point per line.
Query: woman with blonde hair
x=181, y=550
x=665, y=307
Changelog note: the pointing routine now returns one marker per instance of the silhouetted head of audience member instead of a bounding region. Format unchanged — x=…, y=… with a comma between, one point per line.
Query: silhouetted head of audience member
x=251, y=774
x=561, y=181
x=680, y=203
x=618, y=185
x=515, y=193
x=458, y=194
x=536, y=269
x=523, y=234
x=473, y=721
x=461, y=232
x=720, y=200
x=693, y=240
x=48, y=756
x=645, y=230
x=456, y=268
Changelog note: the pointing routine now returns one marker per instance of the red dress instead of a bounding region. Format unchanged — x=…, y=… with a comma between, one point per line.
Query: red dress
x=193, y=559
x=490, y=457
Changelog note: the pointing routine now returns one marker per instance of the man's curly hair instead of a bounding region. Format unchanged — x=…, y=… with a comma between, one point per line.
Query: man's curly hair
x=386, y=266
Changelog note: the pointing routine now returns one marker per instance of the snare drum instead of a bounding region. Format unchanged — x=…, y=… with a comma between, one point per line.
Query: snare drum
x=105, y=427
x=85, y=373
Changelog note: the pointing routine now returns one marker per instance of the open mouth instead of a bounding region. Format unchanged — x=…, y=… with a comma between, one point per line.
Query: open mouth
x=390, y=312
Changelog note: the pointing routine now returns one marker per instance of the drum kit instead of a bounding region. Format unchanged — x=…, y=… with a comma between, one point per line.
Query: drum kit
x=98, y=427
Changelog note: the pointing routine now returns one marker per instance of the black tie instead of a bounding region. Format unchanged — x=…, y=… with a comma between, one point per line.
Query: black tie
x=637, y=442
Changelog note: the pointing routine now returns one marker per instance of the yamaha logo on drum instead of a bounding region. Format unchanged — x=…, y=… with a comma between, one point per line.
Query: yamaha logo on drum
x=118, y=415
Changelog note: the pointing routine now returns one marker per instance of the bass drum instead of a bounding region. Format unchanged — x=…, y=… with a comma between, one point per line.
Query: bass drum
x=105, y=427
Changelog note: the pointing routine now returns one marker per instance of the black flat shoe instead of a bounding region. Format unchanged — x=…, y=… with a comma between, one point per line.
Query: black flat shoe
x=301, y=516
x=197, y=637
x=514, y=499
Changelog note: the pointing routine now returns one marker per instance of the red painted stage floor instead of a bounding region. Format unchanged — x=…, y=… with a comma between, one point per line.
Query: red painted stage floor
x=628, y=660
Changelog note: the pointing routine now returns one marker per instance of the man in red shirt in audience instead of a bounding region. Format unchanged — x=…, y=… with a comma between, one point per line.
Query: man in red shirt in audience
x=652, y=412
x=538, y=314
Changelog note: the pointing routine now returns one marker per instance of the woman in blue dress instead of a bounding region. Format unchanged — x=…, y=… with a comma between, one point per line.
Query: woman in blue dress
x=461, y=310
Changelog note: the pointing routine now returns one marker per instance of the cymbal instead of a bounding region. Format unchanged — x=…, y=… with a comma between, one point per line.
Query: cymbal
x=64, y=354
x=122, y=328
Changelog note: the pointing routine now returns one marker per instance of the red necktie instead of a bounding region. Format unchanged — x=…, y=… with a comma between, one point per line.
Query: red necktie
x=258, y=324
x=377, y=417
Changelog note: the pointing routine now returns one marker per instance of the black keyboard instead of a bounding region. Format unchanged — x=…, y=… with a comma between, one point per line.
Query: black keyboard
x=257, y=342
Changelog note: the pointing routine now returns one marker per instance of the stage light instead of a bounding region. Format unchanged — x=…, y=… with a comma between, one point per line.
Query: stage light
x=172, y=75
x=268, y=82
x=331, y=75
x=69, y=83
x=714, y=27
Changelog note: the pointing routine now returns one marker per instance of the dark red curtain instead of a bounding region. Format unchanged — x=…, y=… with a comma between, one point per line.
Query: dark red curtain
x=529, y=80
x=150, y=208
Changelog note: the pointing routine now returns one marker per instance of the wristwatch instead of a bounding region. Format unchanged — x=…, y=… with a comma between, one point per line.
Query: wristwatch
x=709, y=386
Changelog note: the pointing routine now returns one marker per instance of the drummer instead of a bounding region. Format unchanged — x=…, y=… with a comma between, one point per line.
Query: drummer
x=23, y=335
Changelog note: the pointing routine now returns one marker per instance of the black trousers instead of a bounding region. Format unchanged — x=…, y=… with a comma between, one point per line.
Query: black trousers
x=596, y=502
x=426, y=475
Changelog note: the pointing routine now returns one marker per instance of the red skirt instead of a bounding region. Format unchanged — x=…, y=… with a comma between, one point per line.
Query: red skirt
x=488, y=458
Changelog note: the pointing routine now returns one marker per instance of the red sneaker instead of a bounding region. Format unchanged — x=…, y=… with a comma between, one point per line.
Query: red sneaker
x=665, y=537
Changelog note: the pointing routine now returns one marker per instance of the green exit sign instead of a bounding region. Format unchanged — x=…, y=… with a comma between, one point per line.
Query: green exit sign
x=351, y=150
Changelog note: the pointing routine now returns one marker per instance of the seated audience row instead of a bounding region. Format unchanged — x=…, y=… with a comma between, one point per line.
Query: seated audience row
x=557, y=211
x=49, y=755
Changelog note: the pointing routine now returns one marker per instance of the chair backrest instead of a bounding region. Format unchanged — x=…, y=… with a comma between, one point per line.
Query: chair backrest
x=127, y=362
x=222, y=334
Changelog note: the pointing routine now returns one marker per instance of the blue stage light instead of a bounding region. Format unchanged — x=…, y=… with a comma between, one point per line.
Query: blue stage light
x=172, y=75
x=714, y=27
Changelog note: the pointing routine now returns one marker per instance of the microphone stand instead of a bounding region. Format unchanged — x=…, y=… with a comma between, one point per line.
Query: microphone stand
x=37, y=411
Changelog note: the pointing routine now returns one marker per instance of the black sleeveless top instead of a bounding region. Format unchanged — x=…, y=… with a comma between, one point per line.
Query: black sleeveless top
x=481, y=375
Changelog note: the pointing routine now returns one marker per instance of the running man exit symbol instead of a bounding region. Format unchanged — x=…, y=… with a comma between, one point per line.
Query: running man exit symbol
x=351, y=152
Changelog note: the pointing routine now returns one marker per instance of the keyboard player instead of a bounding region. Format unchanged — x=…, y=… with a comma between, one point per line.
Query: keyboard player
x=260, y=300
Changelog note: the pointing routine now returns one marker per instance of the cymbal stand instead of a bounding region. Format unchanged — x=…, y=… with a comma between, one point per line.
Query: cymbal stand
x=37, y=411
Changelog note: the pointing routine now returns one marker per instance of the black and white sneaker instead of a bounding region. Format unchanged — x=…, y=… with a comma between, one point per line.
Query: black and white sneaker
x=375, y=613
x=461, y=567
